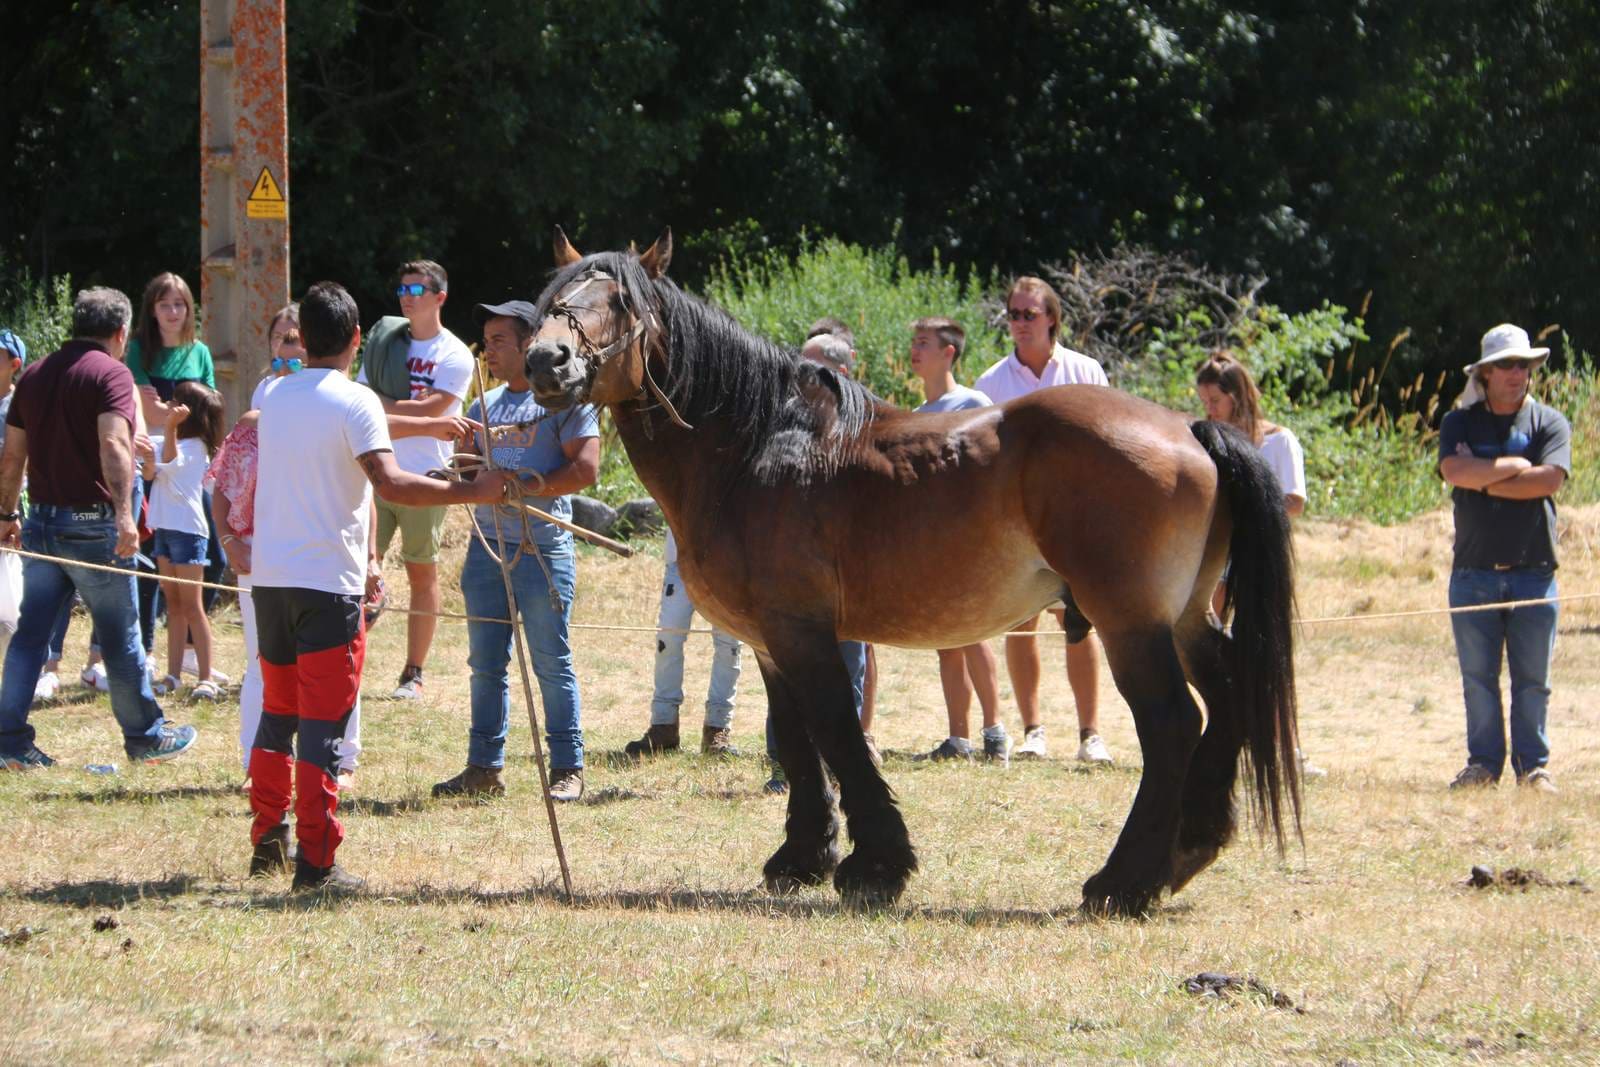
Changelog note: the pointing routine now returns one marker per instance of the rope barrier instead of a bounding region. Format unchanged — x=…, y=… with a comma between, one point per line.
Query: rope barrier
x=619, y=628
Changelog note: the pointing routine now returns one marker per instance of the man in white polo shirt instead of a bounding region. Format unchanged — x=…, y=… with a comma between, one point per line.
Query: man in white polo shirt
x=440, y=371
x=324, y=446
x=1033, y=313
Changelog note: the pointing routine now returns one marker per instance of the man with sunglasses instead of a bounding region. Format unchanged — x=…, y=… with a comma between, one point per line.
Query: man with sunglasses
x=1038, y=360
x=1505, y=456
x=438, y=371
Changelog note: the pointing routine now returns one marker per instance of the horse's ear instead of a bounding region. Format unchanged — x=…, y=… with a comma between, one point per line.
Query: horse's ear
x=658, y=256
x=565, y=254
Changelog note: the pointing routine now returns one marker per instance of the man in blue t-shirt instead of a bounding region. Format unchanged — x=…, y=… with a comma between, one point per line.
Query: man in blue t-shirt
x=560, y=454
x=1506, y=455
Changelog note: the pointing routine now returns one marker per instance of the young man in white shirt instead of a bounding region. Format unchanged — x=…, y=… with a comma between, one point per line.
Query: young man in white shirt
x=1033, y=312
x=936, y=346
x=441, y=371
x=324, y=445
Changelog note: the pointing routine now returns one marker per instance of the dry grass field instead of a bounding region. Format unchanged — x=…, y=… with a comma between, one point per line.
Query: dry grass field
x=148, y=945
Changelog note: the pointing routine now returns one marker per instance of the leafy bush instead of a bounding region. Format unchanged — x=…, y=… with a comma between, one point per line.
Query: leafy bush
x=39, y=312
x=874, y=291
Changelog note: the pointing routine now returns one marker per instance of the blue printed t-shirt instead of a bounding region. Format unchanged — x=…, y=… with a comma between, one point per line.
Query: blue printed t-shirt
x=958, y=399
x=1492, y=531
x=185, y=363
x=530, y=448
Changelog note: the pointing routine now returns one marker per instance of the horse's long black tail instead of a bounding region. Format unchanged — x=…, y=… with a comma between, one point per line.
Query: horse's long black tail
x=1261, y=594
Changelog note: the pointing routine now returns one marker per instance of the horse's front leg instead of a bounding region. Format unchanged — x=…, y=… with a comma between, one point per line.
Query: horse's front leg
x=810, y=849
x=1150, y=677
x=877, y=871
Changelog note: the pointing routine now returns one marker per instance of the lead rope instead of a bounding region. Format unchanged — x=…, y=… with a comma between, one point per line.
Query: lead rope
x=516, y=632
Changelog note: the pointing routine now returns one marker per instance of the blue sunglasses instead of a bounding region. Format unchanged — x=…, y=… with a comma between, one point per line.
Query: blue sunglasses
x=414, y=289
x=279, y=365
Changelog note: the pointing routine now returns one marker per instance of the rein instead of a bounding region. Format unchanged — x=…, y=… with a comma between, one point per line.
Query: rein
x=644, y=326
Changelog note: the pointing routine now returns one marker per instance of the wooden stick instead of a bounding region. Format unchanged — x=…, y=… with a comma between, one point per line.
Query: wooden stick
x=588, y=535
x=522, y=652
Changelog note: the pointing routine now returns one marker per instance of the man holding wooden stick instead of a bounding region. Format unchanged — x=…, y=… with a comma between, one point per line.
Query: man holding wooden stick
x=555, y=455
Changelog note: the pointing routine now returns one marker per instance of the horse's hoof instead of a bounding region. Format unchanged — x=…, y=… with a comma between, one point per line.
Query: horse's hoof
x=1188, y=862
x=1103, y=900
x=870, y=884
x=785, y=873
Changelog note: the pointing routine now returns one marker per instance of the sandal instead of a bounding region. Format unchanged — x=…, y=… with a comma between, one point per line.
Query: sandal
x=206, y=690
x=166, y=685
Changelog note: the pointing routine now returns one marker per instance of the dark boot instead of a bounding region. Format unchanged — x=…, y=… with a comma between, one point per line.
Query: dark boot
x=717, y=741
x=333, y=879
x=271, y=855
x=472, y=782
x=656, y=740
x=566, y=783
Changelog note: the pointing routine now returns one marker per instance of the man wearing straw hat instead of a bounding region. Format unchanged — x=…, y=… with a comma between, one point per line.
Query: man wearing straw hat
x=1506, y=455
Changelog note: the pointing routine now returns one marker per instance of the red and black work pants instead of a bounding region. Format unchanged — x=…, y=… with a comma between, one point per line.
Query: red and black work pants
x=312, y=646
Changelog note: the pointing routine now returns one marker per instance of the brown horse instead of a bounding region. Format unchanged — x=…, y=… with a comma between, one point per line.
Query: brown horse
x=806, y=511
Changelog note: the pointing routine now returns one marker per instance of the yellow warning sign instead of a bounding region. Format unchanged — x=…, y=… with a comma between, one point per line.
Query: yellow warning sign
x=266, y=199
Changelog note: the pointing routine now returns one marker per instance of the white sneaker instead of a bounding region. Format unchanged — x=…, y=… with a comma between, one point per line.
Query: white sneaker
x=220, y=679
x=1093, y=750
x=94, y=676
x=1033, y=746
x=410, y=687
x=1307, y=768
x=47, y=686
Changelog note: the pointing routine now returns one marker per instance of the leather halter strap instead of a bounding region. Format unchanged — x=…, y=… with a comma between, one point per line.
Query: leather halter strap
x=643, y=323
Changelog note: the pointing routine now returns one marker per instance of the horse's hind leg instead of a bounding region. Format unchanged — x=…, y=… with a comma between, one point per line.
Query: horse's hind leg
x=877, y=871
x=1150, y=677
x=1209, y=816
x=810, y=849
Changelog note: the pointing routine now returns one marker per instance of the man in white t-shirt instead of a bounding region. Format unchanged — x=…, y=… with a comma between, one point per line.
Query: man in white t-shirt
x=324, y=446
x=1033, y=313
x=441, y=371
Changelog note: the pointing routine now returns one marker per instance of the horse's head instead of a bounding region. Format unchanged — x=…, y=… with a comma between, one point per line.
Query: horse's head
x=598, y=326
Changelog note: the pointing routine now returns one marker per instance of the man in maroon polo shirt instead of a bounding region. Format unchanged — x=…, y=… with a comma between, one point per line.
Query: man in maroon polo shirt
x=70, y=428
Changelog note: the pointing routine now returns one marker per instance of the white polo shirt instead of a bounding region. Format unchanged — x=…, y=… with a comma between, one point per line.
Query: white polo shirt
x=1011, y=378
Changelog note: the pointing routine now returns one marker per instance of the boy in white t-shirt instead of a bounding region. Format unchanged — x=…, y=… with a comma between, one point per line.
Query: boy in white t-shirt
x=441, y=371
x=936, y=347
x=324, y=446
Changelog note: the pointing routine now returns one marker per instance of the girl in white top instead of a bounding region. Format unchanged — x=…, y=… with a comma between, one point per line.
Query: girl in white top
x=194, y=431
x=1230, y=395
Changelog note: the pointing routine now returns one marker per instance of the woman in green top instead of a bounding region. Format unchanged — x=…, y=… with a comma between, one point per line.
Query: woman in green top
x=164, y=351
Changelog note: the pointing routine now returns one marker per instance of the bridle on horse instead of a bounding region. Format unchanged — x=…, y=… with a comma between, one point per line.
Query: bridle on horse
x=645, y=326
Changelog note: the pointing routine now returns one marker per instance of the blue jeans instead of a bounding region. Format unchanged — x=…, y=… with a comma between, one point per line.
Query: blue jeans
x=1528, y=636
x=677, y=612
x=88, y=535
x=854, y=654
x=489, y=653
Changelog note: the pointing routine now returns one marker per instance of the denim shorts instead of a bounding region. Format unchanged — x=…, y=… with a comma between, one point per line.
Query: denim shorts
x=181, y=549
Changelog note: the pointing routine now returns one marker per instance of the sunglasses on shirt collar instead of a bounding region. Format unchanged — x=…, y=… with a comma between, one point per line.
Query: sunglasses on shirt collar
x=279, y=365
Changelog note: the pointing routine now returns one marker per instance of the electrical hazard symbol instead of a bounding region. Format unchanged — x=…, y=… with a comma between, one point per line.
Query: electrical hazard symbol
x=266, y=198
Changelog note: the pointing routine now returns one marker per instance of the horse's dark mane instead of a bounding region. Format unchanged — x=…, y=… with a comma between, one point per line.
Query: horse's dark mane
x=793, y=418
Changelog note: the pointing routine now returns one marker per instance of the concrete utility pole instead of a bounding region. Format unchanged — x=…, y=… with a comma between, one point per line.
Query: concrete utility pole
x=244, y=187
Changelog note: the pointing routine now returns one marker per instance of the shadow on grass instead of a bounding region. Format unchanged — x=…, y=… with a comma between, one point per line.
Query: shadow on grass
x=126, y=794
x=273, y=894
x=75, y=698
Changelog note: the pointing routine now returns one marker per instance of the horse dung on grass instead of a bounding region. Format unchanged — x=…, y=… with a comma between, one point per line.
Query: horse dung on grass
x=803, y=505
